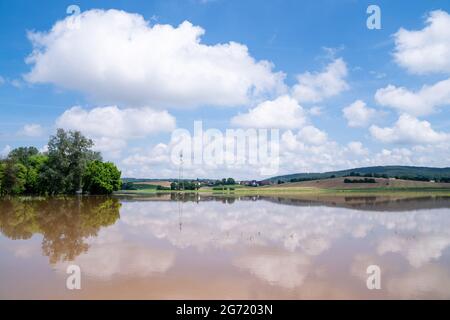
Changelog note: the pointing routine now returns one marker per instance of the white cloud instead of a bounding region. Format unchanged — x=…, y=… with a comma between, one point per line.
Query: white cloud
x=426, y=50
x=395, y=156
x=116, y=57
x=110, y=126
x=2, y=80
x=44, y=149
x=315, y=87
x=117, y=123
x=421, y=52
x=419, y=103
x=32, y=130
x=283, y=112
x=5, y=151
x=309, y=149
x=358, y=114
x=112, y=147
x=409, y=130
x=357, y=148
x=315, y=111
x=313, y=136
x=159, y=154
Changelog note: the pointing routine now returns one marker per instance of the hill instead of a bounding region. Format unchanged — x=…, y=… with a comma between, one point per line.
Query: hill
x=339, y=183
x=399, y=172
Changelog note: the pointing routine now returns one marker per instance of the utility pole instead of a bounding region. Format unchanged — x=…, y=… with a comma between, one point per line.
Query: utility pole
x=180, y=203
x=180, y=172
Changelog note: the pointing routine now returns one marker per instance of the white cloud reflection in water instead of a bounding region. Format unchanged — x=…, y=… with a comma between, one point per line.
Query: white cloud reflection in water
x=289, y=239
x=269, y=249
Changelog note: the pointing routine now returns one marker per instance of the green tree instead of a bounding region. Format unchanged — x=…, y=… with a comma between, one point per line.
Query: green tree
x=101, y=178
x=13, y=177
x=23, y=155
x=28, y=162
x=2, y=170
x=230, y=181
x=33, y=184
x=69, y=153
x=61, y=170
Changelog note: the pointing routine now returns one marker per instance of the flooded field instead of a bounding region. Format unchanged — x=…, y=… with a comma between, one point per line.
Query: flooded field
x=225, y=248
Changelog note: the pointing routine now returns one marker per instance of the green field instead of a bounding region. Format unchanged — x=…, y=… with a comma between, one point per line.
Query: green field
x=300, y=191
x=331, y=186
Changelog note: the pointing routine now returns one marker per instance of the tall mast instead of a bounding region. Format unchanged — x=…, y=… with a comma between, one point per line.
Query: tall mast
x=180, y=171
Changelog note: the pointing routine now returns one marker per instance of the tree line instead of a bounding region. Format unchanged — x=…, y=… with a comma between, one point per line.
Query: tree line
x=401, y=177
x=365, y=180
x=69, y=166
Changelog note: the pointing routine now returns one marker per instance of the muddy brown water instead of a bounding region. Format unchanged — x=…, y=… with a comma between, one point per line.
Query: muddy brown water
x=225, y=248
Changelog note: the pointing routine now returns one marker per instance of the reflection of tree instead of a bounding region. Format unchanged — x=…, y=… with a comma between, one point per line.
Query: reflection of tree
x=65, y=223
x=18, y=219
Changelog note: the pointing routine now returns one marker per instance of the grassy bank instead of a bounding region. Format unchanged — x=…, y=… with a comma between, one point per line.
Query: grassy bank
x=332, y=186
x=267, y=191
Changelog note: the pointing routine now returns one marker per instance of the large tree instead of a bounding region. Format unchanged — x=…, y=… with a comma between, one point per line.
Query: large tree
x=69, y=153
x=69, y=165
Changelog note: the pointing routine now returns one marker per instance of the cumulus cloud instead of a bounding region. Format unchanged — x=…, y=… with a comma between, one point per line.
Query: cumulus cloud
x=312, y=135
x=418, y=103
x=358, y=114
x=116, y=57
x=110, y=126
x=315, y=87
x=32, y=130
x=114, y=122
x=408, y=129
x=357, y=148
x=404, y=156
x=315, y=111
x=283, y=112
x=159, y=154
x=5, y=151
x=427, y=50
x=308, y=149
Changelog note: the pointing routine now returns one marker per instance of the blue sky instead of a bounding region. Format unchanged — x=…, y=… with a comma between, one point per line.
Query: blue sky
x=296, y=37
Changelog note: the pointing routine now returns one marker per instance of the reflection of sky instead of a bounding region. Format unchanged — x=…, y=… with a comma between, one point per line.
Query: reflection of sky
x=110, y=254
x=299, y=234
x=282, y=246
x=419, y=236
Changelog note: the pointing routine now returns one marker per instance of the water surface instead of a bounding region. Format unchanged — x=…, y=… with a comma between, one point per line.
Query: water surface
x=225, y=248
